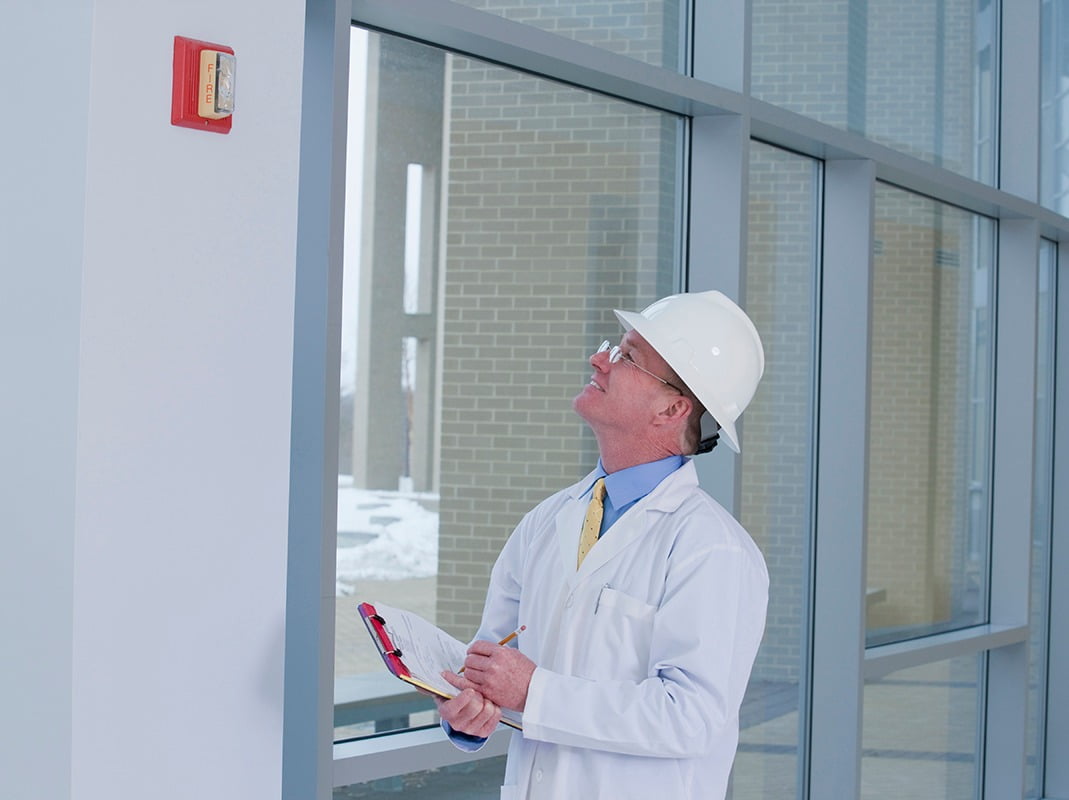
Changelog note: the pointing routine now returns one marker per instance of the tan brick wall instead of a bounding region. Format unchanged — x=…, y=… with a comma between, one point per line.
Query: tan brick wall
x=921, y=339
x=646, y=30
x=777, y=429
x=903, y=74
x=560, y=209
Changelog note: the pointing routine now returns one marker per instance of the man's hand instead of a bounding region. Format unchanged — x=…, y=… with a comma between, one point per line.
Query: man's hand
x=500, y=674
x=469, y=712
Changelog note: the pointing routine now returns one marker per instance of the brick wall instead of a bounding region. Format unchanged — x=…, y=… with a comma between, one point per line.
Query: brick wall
x=778, y=432
x=646, y=30
x=560, y=209
x=920, y=398
x=903, y=74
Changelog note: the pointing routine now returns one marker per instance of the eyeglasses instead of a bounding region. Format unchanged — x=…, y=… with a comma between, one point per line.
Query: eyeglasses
x=616, y=354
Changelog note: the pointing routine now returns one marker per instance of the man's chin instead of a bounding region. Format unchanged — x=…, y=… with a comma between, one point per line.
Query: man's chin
x=581, y=403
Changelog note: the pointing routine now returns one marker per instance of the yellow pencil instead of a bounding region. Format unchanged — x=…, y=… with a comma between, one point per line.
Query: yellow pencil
x=513, y=635
x=506, y=640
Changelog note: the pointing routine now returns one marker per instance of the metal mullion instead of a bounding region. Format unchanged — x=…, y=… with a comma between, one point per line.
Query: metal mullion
x=1056, y=781
x=723, y=28
x=718, y=214
x=1011, y=503
x=308, y=704
x=842, y=481
x=1019, y=99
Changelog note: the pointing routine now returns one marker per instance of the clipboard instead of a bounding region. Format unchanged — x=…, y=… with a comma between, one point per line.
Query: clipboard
x=392, y=649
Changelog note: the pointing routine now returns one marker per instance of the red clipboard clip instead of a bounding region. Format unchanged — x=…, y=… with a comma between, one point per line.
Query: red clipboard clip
x=377, y=626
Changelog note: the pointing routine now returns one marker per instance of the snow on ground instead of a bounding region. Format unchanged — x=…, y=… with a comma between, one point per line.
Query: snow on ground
x=384, y=535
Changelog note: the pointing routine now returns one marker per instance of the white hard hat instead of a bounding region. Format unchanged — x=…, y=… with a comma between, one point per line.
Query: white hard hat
x=712, y=346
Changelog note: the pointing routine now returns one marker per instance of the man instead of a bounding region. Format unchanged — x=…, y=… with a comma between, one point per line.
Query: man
x=637, y=646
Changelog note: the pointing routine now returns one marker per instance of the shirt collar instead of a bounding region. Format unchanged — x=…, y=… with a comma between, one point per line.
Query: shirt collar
x=633, y=483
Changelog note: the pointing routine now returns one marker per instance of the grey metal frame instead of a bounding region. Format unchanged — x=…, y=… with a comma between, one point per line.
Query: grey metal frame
x=1057, y=766
x=723, y=120
x=838, y=623
x=1011, y=520
x=308, y=706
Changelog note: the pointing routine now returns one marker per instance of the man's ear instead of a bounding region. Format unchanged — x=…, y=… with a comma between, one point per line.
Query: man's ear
x=678, y=409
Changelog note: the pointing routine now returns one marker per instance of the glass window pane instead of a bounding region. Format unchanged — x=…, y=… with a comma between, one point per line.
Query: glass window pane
x=1041, y=521
x=920, y=78
x=921, y=731
x=651, y=32
x=1054, y=108
x=776, y=463
x=929, y=409
x=494, y=221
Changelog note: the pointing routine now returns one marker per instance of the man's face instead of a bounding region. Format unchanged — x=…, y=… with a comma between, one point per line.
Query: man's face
x=620, y=397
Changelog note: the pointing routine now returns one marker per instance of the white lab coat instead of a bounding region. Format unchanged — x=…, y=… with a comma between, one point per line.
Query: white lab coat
x=643, y=654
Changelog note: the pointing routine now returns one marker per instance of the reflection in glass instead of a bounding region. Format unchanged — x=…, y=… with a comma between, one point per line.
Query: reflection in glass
x=918, y=77
x=494, y=221
x=1041, y=521
x=777, y=462
x=929, y=409
x=479, y=780
x=921, y=731
x=1054, y=106
x=651, y=32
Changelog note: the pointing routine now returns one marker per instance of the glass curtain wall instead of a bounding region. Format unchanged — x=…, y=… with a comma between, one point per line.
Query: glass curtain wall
x=652, y=32
x=1054, y=117
x=777, y=463
x=930, y=410
x=495, y=220
x=918, y=76
x=921, y=733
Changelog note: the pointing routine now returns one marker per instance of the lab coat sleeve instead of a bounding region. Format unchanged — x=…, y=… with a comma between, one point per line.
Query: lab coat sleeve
x=705, y=636
x=502, y=609
x=463, y=741
x=500, y=614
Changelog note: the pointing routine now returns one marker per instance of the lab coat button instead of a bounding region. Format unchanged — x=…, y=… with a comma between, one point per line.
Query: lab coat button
x=538, y=775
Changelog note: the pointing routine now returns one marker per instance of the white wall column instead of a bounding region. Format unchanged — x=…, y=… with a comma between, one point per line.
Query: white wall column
x=42, y=208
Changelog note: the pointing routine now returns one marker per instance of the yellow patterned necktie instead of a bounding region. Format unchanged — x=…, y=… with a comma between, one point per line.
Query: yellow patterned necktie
x=592, y=522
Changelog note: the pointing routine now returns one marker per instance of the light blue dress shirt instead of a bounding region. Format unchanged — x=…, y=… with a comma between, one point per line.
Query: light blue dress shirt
x=625, y=488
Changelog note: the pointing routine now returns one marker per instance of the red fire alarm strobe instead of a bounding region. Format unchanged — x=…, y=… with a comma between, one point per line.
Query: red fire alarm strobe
x=202, y=94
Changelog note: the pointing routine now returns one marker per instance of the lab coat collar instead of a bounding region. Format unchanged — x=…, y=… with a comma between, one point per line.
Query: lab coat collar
x=666, y=497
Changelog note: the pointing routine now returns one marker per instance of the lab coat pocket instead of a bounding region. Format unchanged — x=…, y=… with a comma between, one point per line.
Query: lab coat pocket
x=624, y=604
x=621, y=632
x=510, y=792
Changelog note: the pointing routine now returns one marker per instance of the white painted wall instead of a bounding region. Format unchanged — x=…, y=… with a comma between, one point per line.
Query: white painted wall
x=146, y=328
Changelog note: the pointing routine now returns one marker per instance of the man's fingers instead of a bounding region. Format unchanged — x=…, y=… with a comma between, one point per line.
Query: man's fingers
x=482, y=647
x=458, y=681
x=487, y=718
x=476, y=662
x=471, y=713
